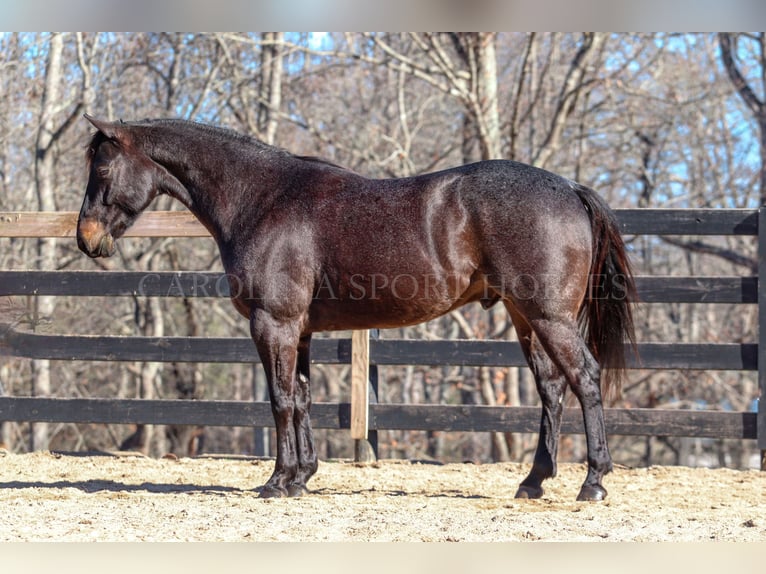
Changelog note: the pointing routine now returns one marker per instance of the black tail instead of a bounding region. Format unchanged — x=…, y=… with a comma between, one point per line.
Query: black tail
x=607, y=315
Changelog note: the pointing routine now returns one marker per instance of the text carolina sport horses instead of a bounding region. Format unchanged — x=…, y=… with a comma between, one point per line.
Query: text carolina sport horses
x=310, y=246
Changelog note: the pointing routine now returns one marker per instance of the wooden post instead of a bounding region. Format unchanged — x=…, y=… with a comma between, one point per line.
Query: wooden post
x=360, y=393
x=363, y=386
x=761, y=417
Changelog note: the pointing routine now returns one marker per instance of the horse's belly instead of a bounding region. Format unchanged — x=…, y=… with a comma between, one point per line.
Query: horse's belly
x=353, y=316
x=381, y=301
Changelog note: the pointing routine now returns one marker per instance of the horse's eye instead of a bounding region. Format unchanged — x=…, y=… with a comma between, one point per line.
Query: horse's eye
x=103, y=171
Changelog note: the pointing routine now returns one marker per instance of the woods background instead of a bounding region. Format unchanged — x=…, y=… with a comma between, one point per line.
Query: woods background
x=648, y=120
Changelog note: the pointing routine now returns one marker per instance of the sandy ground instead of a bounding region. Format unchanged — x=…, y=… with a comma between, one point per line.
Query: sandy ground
x=54, y=497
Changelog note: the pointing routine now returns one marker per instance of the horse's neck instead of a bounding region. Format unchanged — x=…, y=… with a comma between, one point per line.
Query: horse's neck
x=215, y=200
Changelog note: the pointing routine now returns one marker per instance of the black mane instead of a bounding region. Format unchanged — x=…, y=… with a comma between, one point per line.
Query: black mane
x=216, y=131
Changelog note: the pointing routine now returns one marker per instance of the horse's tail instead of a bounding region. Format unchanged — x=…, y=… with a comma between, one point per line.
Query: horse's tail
x=606, y=316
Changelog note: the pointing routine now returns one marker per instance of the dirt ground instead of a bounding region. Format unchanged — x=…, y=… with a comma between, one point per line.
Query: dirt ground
x=54, y=497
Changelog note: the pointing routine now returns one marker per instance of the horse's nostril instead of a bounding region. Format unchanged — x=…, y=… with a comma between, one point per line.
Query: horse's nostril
x=81, y=244
x=106, y=246
x=93, y=239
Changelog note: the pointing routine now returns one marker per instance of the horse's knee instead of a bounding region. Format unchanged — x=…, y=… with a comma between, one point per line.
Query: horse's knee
x=552, y=392
x=282, y=409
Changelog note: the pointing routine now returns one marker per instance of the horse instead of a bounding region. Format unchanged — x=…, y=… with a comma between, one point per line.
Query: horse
x=310, y=246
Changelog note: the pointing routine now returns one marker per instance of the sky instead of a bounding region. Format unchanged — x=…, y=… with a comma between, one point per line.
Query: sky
x=391, y=15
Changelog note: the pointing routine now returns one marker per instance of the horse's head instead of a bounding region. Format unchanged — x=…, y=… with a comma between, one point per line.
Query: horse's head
x=121, y=184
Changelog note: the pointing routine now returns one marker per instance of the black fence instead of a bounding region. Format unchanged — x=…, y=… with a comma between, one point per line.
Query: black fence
x=648, y=422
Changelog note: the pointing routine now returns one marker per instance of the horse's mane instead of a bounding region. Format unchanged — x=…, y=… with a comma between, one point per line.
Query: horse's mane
x=225, y=133
x=322, y=161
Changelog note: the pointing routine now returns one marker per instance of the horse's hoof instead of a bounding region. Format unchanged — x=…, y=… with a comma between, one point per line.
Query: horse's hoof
x=297, y=490
x=529, y=492
x=272, y=492
x=592, y=493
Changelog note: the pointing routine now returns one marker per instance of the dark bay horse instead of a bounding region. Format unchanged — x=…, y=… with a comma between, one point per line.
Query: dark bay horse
x=310, y=246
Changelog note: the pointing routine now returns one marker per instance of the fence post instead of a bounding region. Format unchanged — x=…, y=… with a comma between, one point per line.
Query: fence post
x=364, y=451
x=360, y=361
x=761, y=417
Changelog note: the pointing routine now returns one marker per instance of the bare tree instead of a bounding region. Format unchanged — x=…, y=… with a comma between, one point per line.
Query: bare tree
x=730, y=44
x=647, y=119
x=577, y=79
x=271, y=85
x=45, y=180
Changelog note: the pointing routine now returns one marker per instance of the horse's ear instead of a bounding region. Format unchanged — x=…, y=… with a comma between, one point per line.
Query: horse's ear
x=112, y=130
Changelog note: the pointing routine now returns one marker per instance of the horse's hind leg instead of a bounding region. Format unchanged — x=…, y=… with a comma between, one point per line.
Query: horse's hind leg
x=551, y=386
x=307, y=459
x=563, y=343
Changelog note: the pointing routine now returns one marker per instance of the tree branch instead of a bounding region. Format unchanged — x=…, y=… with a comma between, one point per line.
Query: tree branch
x=744, y=89
x=721, y=252
x=570, y=90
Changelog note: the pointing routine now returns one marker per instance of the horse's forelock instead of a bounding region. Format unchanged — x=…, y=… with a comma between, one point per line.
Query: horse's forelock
x=90, y=152
x=92, y=147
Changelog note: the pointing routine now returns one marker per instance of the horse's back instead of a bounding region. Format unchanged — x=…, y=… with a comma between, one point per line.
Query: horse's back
x=408, y=250
x=452, y=220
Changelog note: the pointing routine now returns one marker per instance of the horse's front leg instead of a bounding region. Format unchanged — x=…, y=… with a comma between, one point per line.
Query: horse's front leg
x=307, y=458
x=277, y=345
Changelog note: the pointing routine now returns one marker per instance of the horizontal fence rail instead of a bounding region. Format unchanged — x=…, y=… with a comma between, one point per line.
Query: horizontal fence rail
x=651, y=289
x=14, y=341
x=64, y=224
x=447, y=418
x=468, y=353
x=183, y=223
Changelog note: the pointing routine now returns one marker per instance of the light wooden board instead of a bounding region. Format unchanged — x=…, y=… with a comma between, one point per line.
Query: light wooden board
x=360, y=393
x=64, y=224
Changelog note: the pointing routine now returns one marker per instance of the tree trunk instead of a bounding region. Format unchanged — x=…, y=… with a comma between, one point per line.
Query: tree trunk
x=500, y=452
x=757, y=106
x=261, y=435
x=271, y=86
x=479, y=94
x=45, y=183
x=486, y=91
x=150, y=324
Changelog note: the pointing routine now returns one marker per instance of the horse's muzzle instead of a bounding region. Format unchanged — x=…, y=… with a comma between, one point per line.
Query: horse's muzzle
x=93, y=239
